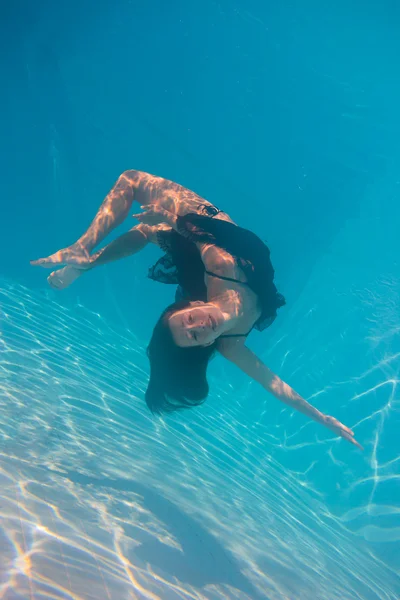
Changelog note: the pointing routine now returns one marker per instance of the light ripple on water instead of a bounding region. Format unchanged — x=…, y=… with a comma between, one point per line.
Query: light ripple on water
x=100, y=500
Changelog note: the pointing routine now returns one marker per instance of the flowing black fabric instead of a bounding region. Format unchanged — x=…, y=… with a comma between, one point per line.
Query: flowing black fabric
x=182, y=263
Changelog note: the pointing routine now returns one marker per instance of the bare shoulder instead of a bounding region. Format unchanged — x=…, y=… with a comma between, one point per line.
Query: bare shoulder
x=219, y=258
x=220, y=262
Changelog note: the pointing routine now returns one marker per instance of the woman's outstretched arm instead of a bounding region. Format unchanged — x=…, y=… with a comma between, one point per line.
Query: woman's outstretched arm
x=250, y=364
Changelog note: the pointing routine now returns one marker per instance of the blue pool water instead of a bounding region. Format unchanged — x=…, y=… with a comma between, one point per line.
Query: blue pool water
x=286, y=116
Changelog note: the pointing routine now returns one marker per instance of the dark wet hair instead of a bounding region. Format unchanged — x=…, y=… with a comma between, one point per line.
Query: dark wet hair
x=177, y=375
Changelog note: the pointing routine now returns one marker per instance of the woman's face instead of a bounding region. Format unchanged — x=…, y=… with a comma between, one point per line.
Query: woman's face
x=197, y=325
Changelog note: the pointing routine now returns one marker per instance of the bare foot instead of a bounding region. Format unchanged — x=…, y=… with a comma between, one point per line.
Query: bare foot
x=73, y=255
x=61, y=279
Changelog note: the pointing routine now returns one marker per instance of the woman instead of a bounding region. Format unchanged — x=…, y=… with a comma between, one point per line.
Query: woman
x=226, y=289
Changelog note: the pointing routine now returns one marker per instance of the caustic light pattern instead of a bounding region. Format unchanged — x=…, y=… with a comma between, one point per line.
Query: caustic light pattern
x=100, y=500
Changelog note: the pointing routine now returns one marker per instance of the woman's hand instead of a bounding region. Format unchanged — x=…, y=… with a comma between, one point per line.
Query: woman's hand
x=340, y=429
x=153, y=215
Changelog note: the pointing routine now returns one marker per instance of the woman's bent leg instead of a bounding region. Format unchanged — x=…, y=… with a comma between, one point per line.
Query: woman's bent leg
x=112, y=212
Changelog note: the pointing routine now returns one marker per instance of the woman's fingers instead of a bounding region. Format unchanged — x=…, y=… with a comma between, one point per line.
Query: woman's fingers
x=150, y=216
x=340, y=429
x=352, y=440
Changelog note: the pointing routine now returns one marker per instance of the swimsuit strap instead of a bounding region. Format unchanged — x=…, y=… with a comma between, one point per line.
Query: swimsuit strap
x=233, y=335
x=230, y=335
x=226, y=278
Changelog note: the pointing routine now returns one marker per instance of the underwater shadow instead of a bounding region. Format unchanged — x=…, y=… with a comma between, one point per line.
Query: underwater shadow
x=203, y=560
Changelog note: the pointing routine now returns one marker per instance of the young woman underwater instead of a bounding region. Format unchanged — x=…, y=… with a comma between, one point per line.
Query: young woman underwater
x=225, y=289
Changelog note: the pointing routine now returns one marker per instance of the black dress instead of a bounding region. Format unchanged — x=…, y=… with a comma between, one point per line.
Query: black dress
x=182, y=264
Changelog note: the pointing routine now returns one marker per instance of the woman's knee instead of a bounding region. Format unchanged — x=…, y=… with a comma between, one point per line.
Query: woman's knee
x=131, y=176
